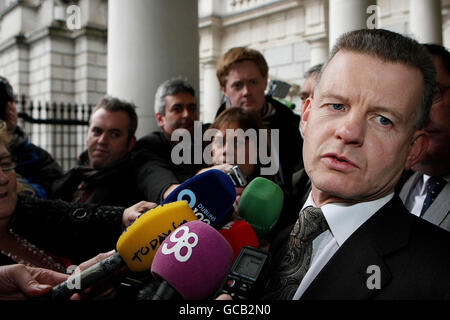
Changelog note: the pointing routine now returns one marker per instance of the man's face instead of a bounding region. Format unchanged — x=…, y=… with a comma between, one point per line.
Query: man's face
x=308, y=87
x=107, y=139
x=437, y=157
x=358, y=128
x=181, y=112
x=245, y=86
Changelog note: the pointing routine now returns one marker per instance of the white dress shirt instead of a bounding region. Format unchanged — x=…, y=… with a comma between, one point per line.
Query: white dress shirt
x=414, y=201
x=343, y=219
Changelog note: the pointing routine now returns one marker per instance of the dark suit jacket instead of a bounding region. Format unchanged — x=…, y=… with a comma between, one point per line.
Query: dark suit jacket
x=413, y=257
x=115, y=186
x=155, y=168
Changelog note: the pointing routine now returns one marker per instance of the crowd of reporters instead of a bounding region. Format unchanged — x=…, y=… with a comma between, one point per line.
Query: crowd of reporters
x=51, y=220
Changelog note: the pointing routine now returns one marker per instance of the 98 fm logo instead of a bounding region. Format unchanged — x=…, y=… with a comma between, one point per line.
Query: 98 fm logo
x=184, y=243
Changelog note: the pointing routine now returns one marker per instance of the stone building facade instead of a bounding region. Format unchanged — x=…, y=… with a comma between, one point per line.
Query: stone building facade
x=60, y=50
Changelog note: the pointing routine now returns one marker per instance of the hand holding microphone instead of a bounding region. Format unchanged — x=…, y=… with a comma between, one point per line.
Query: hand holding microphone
x=136, y=247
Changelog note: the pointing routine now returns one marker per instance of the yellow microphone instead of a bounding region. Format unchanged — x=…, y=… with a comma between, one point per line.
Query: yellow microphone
x=136, y=247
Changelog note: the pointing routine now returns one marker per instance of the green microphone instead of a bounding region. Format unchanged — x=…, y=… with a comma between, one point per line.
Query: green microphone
x=260, y=205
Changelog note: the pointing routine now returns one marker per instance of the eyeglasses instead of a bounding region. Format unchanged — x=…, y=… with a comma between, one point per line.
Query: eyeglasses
x=7, y=163
x=438, y=93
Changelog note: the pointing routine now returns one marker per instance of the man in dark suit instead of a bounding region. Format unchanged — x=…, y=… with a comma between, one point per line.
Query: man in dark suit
x=427, y=192
x=354, y=239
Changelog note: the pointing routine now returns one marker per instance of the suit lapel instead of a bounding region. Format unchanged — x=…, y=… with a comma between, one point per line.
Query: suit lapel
x=350, y=273
x=409, y=185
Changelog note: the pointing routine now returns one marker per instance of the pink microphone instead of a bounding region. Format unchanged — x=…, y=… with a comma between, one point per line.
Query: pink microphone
x=193, y=260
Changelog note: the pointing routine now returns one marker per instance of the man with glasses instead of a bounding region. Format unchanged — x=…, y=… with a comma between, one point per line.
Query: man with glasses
x=35, y=165
x=427, y=191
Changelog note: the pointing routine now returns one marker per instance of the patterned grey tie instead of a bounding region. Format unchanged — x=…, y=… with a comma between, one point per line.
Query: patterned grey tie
x=293, y=267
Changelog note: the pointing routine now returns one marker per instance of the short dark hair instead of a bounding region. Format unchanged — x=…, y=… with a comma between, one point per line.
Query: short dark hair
x=113, y=104
x=393, y=47
x=314, y=70
x=441, y=52
x=170, y=88
x=6, y=95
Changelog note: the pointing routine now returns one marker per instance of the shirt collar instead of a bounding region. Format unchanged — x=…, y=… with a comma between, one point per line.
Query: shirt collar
x=344, y=219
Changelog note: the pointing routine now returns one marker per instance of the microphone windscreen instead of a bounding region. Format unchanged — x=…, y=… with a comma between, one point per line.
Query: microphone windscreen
x=194, y=260
x=210, y=194
x=261, y=204
x=239, y=233
x=139, y=242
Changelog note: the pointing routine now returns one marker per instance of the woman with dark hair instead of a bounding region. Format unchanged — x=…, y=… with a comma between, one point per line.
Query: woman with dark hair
x=238, y=140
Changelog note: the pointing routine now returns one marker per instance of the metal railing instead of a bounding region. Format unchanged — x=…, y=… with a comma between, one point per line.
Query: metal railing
x=59, y=128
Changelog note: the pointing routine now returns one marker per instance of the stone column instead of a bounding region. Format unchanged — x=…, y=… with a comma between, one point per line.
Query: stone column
x=212, y=93
x=148, y=43
x=347, y=15
x=319, y=51
x=425, y=20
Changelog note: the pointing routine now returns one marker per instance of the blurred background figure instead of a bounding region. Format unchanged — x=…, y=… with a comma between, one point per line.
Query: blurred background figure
x=309, y=84
x=427, y=192
x=243, y=76
x=36, y=167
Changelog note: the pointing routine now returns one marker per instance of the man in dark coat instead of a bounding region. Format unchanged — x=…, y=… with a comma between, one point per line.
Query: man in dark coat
x=106, y=171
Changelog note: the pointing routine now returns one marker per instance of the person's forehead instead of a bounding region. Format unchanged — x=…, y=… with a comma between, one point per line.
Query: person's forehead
x=308, y=84
x=366, y=67
x=106, y=118
x=179, y=98
x=243, y=69
x=352, y=77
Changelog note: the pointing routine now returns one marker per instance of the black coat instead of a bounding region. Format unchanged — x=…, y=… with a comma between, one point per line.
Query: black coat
x=73, y=231
x=412, y=254
x=156, y=170
x=115, y=186
x=34, y=163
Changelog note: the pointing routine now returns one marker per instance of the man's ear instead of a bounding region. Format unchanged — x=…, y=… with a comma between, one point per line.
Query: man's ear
x=131, y=143
x=418, y=148
x=306, y=108
x=160, y=119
